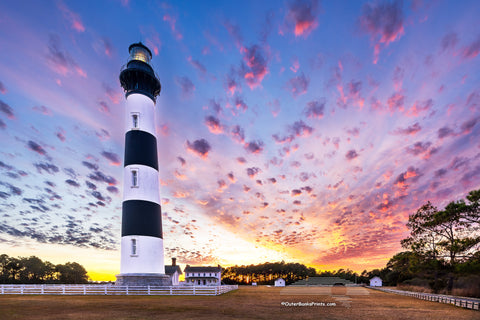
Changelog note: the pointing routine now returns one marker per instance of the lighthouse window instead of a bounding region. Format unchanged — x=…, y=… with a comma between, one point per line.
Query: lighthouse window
x=134, y=247
x=135, y=120
x=134, y=178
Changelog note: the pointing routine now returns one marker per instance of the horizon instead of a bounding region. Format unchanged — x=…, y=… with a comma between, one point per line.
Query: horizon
x=302, y=131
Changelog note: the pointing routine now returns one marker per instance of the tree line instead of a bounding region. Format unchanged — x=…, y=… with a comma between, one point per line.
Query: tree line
x=33, y=270
x=267, y=273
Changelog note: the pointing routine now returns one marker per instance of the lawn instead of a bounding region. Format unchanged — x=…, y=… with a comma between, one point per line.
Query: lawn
x=246, y=303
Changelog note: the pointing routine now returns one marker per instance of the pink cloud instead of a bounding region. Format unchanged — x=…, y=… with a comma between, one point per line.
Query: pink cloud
x=410, y=130
x=172, y=22
x=473, y=49
x=7, y=110
x=256, y=66
x=3, y=90
x=199, y=147
x=384, y=22
x=301, y=17
x=72, y=17
x=213, y=124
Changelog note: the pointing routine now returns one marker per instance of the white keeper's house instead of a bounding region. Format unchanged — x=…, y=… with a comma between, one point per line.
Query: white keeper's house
x=203, y=276
x=174, y=272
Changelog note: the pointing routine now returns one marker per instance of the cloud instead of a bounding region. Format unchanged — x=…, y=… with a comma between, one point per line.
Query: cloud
x=186, y=85
x=197, y=65
x=301, y=17
x=253, y=171
x=43, y=110
x=238, y=134
x=421, y=148
x=412, y=174
x=90, y=185
x=213, y=124
x=199, y=147
x=113, y=157
x=301, y=129
x=231, y=85
x=112, y=189
x=107, y=46
x=351, y=154
x=60, y=134
x=32, y=145
x=419, y=107
x=449, y=42
x=444, y=132
x=468, y=125
x=172, y=21
x=298, y=85
x=241, y=160
x=254, y=146
x=183, y=162
x=72, y=183
x=315, y=109
x=240, y=104
x=256, y=66
x=296, y=192
x=384, y=22
x=7, y=110
x=3, y=90
x=473, y=49
x=48, y=167
x=72, y=17
x=103, y=107
x=59, y=61
x=234, y=31
x=2, y=124
x=410, y=130
x=89, y=165
x=396, y=102
x=101, y=177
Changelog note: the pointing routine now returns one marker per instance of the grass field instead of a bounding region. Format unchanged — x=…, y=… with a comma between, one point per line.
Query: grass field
x=246, y=303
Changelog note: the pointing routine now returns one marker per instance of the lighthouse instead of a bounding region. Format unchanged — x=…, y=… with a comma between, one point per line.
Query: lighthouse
x=142, y=254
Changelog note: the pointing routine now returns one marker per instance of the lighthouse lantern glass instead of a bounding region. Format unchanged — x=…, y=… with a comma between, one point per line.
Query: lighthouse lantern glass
x=139, y=53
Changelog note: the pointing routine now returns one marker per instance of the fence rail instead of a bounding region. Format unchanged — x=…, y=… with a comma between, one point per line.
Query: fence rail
x=53, y=289
x=464, y=302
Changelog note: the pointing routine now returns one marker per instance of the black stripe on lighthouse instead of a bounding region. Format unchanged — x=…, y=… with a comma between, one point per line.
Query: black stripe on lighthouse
x=141, y=148
x=141, y=218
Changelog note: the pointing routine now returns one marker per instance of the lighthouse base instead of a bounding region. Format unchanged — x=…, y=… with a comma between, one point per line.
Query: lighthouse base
x=143, y=279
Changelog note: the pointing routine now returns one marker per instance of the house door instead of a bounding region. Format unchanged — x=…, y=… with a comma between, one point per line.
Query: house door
x=204, y=282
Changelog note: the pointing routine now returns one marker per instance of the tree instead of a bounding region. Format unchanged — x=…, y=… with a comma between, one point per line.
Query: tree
x=72, y=272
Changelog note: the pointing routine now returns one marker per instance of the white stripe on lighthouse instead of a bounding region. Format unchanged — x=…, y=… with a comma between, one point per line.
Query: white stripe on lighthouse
x=147, y=183
x=148, y=257
x=142, y=107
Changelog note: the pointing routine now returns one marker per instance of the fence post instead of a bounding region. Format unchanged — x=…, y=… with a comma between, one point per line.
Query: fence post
x=43, y=287
x=63, y=289
x=3, y=292
x=84, y=290
x=171, y=290
x=193, y=290
x=105, y=289
x=127, y=291
x=21, y=289
x=216, y=290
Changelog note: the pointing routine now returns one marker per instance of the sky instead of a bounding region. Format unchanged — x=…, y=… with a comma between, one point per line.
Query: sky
x=303, y=131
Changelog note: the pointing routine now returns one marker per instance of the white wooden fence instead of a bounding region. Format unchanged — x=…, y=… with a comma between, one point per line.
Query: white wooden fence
x=464, y=302
x=55, y=289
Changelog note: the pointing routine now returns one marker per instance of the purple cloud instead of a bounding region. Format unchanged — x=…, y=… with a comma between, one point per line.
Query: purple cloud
x=298, y=85
x=7, y=110
x=254, y=146
x=186, y=85
x=315, y=109
x=199, y=147
x=113, y=157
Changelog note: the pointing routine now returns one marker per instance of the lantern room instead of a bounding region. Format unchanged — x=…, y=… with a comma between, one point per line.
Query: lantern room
x=140, y=52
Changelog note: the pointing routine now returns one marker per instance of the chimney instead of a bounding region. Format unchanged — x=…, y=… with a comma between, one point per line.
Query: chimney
x=174, y=262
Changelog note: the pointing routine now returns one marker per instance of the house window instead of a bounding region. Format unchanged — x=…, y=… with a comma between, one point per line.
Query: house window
x=135, y=118
x=134, y=247
x=134, y=178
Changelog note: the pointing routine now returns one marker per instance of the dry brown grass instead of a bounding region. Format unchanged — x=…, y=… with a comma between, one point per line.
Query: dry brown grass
x=246, y=303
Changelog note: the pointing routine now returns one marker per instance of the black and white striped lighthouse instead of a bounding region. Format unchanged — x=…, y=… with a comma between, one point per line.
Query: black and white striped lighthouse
x=142, y=256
